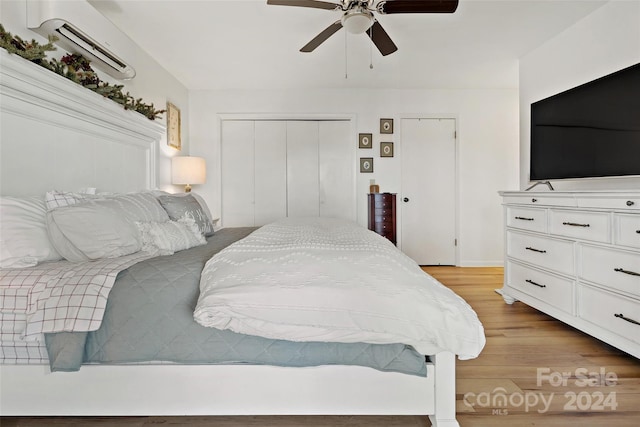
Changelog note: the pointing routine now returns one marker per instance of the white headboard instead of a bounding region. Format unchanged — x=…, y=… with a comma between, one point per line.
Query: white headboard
x=56, y=134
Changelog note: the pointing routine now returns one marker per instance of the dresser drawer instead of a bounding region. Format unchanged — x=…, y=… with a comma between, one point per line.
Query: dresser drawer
x=553, y=254
x=548, y=288
x=383, y=227
x=383, y=211
x=594, y=226
x=540, y=200
x=387, y=219
x=611, y=312
x=383, y=203
x=527, y=218
x=618, y=202
x=627, y=230
x=611, y=268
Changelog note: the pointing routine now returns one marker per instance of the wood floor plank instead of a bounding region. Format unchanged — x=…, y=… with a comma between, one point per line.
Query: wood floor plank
x=520, y=341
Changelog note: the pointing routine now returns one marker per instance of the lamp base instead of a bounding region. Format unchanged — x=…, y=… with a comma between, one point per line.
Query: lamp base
x=187, y=188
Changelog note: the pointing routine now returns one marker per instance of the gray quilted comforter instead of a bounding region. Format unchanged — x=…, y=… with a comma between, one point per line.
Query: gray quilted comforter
x=149, y=318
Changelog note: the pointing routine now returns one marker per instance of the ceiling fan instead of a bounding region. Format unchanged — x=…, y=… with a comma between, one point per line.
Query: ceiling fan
x=358, y=17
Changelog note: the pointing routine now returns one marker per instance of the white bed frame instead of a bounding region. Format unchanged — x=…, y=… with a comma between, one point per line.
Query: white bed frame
x=230, y=390
x=58, y=135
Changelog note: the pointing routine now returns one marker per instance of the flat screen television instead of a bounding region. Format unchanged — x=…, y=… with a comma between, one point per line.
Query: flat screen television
x=592, y=130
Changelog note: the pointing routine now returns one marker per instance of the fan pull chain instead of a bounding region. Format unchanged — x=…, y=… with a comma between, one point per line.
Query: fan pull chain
x=371, y=48
x=346, y=68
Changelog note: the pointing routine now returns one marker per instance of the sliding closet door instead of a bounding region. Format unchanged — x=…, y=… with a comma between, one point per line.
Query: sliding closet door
x=337, y=170
x=237, y=156
x=270, y=171
x=303, y=186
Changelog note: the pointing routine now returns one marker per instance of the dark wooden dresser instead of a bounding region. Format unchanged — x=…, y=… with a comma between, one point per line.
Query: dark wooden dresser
x=382, y=214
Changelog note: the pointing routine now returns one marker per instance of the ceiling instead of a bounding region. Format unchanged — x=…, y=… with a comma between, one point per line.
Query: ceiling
x=247, y=44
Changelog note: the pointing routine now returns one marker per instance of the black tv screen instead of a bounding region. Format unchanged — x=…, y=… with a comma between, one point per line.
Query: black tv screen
x=592, y=130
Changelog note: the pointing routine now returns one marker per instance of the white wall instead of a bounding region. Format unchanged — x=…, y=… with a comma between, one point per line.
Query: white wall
x=605, y=41
x=488, y=148
x=487, y=130
x=152, y=83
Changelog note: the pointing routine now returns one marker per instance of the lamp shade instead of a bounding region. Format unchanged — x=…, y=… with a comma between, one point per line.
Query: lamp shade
x=186, y=170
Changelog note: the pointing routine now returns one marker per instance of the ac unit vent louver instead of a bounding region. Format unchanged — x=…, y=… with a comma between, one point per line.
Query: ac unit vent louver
x=86, y=43
x=65, y=19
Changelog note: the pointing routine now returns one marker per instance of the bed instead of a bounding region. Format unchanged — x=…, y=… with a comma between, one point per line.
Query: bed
x=404, y=381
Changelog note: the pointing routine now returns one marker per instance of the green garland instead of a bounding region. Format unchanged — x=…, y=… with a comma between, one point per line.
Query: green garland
x=76, y=68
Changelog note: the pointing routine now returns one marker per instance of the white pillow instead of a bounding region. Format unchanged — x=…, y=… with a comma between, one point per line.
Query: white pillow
x=165, y=238
x=64, y=247
x=142, y=206
x=56, y=199
x=95, y=228
x=23, y=234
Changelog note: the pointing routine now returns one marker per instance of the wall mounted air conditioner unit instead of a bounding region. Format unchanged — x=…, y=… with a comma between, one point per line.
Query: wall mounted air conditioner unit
x=81, y=29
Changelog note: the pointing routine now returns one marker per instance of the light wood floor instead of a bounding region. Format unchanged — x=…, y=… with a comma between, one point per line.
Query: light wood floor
x=520, y=340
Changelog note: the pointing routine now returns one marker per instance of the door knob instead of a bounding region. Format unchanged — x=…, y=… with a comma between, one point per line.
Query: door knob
x=406, y=199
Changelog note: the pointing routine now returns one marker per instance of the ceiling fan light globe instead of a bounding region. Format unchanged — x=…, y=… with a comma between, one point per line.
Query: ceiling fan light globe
x=357, y=22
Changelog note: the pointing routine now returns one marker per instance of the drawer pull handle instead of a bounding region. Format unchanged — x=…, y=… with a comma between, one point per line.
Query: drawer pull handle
x=630, y=203
x=621, y=316
x=534, y=200
x=536, y=250
x=575, y=224
x=536, y=284
x=638, y=231
x=622, y=270
x=524, y=218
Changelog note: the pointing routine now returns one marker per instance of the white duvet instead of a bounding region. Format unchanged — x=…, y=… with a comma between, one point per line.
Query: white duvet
x=325, y=279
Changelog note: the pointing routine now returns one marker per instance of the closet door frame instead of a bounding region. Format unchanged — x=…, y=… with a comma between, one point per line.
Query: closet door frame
x=351, y=118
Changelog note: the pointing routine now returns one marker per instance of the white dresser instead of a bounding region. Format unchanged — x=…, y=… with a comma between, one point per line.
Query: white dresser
x=576, y=257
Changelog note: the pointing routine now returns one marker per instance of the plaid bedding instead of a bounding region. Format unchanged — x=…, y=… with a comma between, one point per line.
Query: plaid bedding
x=60, y=296
x=11, y=326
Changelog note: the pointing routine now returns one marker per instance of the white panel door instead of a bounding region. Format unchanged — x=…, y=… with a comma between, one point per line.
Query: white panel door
x=237, y=159
x=270, y=171
x=428, y=200
x=303, y=189
x=337, y=170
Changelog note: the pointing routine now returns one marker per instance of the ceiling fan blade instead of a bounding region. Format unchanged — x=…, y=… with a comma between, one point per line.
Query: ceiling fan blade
x=389, y=7
x=381, y=39
x=306, y=3
x=320, y=38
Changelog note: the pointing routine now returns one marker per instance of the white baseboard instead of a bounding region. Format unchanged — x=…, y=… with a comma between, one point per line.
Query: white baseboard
x=496, y=263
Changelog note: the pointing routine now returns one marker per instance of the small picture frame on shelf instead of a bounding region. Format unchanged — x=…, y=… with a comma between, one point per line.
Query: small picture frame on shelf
x=365, y=140
x=173, y=127
x=366, y=165
x=386, y=126
x=386, y=149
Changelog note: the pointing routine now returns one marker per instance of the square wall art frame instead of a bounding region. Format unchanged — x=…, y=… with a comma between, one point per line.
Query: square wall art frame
x=365, y=140
x=366, y=165
x=386, y=149
x=386, y=126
